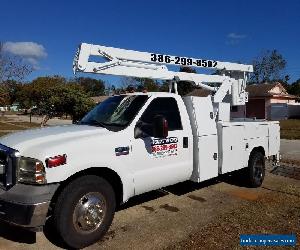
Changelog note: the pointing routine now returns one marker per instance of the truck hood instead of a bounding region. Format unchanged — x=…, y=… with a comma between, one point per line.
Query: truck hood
x=50, y=137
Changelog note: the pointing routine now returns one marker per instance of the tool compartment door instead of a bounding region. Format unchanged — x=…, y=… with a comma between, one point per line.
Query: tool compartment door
x=233, y=149
x=207, y=157
x=274, y=138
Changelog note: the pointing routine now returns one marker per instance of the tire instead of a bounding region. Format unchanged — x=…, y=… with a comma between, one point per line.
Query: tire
x=256, y=169
x=84, y=211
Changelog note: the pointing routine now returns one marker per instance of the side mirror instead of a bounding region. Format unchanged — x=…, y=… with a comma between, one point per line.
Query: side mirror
x=160, y=127
x=138, y=133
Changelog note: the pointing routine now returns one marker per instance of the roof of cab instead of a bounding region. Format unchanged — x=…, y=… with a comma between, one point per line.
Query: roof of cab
x=151, y=93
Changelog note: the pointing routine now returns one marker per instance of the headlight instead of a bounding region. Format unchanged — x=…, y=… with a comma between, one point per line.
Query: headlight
x=31, y=171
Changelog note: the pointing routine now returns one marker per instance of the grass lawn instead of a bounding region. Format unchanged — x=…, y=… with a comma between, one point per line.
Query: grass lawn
x=26, y=124
x=7, y=127
x=290, y=129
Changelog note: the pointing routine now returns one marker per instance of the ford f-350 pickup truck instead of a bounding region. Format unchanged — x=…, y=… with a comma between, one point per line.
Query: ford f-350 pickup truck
x=127, y=145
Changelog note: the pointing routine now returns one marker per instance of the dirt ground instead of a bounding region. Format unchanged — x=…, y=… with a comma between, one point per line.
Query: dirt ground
x=274, y=212
x=14, y=123
x=34, y=119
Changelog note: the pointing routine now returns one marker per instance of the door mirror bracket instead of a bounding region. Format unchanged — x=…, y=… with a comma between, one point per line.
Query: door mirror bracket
x=139, y=133
x=160, y=127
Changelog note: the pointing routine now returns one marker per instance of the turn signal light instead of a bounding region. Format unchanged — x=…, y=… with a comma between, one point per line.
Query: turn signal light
x=56, y=161
x=39, y=178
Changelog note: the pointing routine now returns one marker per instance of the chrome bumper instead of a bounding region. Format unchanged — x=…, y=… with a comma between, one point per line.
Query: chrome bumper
x=26, y=205
x=25, y=215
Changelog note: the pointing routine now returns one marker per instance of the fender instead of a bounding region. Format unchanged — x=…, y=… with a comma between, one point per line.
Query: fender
x=127, y=179
x=262, y=143
x=103, y=156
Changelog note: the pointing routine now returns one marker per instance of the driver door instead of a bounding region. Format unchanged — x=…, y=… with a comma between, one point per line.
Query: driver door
x=159, y=162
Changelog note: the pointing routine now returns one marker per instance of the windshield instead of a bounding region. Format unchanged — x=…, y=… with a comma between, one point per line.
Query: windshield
x=116, y=112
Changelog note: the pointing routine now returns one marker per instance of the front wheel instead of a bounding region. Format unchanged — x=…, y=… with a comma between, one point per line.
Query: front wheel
x=84, y=211
x=256, y=169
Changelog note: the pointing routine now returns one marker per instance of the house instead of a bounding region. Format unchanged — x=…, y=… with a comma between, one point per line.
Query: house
x=266, y=101
x=14, y=107
x=3, y=108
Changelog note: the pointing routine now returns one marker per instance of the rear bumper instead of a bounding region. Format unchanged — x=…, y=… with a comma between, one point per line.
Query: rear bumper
x=26, y=205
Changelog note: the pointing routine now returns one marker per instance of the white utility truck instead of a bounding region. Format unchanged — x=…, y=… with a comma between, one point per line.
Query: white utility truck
x=131, y=144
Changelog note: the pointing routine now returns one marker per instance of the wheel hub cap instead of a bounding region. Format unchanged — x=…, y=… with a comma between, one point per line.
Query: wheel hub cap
x=89, y=212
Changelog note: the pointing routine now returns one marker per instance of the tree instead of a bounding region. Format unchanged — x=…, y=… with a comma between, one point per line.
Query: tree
x=54, y=96
x=164, y=87
x=12, y=88
x=41, y=88
x=12, y=67
x=8, y=92
x=185, y=87
x=128, y=82
x=147, y=84
x=91, y=86
x=268, y=67
x=294, y=88
x=139, y=84
x=4, y=97
x=68, y=99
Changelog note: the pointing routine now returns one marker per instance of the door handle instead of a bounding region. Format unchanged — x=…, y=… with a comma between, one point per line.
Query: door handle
x=185, y=142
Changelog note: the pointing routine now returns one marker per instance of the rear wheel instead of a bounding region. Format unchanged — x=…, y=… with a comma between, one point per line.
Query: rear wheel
x=84, y=211
x=256, y=169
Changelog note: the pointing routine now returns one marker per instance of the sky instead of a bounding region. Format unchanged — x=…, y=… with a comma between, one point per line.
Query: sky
x=46, y=33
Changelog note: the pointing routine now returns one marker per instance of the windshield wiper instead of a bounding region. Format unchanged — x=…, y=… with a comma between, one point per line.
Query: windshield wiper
x=94, y=123
x=115, y=124
x=101, y=124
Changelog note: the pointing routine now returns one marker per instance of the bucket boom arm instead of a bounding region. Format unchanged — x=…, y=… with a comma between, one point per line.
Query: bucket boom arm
x=130, y=63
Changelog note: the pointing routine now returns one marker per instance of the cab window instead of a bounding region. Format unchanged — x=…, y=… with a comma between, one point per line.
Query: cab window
x=165, y=106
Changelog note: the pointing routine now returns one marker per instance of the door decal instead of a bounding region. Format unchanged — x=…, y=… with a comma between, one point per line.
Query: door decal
x=164, y=147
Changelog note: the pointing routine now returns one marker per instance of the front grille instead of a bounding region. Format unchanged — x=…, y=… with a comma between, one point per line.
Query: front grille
x=8, y=163
x=3, y=167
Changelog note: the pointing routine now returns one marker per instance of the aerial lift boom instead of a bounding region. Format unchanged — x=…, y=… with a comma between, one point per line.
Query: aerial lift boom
x=231, y=79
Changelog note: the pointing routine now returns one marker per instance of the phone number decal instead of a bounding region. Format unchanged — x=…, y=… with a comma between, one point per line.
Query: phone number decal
x=164, y=147
x=185, y=61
